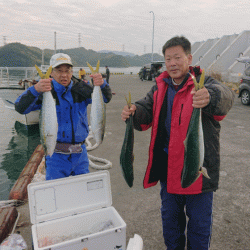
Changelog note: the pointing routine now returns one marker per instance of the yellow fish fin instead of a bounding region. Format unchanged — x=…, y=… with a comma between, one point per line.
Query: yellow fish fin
x=40, y=72
x=202, y=79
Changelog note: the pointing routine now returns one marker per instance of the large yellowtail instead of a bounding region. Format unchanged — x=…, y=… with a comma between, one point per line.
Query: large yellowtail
x=98, y=110
x=48, y=119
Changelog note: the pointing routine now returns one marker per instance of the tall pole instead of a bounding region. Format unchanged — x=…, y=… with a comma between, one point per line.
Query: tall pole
x=152, y=57
x=43, y=57
x=55, y=41
x=79, y=39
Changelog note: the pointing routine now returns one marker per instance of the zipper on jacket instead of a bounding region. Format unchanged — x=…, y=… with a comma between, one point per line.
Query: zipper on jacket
x=180, y=114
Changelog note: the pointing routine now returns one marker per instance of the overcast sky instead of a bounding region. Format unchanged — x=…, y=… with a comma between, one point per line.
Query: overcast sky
x=118, y=24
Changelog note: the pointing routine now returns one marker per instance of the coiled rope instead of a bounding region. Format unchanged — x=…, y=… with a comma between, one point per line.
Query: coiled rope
x=89, y=147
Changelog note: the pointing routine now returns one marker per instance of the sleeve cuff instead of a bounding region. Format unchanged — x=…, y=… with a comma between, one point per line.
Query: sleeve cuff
x=33, y=91
x=104, y=84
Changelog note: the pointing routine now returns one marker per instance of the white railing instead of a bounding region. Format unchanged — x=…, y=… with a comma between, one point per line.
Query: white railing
x=12, y=75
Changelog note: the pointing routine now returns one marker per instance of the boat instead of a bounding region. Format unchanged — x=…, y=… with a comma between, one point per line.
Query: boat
x=9, y=96
x=31, y=118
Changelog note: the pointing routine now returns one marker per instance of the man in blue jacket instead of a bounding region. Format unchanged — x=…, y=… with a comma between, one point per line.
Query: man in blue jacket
x=72, y=97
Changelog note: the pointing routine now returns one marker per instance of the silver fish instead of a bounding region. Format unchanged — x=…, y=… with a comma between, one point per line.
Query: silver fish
x=48, y=118
x=98, y=110
x=98, y=115
x=48, y=124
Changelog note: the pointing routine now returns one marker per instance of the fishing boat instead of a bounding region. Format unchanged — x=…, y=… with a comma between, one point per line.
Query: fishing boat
x=9, y=95
x=31, y=118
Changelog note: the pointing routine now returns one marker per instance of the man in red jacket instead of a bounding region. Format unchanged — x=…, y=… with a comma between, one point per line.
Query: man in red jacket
x=167, y=108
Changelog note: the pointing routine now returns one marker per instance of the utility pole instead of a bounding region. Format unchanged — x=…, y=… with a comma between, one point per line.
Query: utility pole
x=123, y=47
x=144, y=49
x=152, y=57
x=55, y=41
x=79, y=39
x=43, y=57
x=4, y=40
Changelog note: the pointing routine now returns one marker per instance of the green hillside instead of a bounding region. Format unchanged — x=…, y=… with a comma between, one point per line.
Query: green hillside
x=19, y=55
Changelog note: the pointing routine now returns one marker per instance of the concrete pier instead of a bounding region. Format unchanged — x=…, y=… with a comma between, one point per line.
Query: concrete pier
x=140, y=208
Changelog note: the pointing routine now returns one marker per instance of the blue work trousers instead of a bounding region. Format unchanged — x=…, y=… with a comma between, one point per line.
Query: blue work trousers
x=63, y=165
x=176, y=209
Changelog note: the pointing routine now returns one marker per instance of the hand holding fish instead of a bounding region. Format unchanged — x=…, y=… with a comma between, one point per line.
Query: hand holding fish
x=97, y=79
x=201, y=97
x=44, y=85
x=126, y=112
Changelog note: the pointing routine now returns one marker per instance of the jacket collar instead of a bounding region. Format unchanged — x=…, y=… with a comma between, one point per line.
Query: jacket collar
x=164, y=77
x=59, y=88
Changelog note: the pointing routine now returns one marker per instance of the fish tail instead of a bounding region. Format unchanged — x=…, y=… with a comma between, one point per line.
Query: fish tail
x=204, y=172
x=202, y=79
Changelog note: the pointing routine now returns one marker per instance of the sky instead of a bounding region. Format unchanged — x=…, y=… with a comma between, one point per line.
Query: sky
x=121, y=25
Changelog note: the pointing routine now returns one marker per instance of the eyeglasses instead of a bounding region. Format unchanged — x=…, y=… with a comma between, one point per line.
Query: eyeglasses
x=61, y=72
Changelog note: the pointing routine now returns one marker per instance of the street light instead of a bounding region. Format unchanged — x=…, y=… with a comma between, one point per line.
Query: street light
x=152, y=57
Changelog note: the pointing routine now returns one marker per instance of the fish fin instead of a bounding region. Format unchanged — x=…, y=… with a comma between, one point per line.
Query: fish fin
x=97, y=67
x=185, y=142
x=47, y=75
x=204, y=172
x=50, y=135
x=128, y=100
x=93, y=71
x=196, y=85
x=39, y=72
x=91, y=68
x=202, y=79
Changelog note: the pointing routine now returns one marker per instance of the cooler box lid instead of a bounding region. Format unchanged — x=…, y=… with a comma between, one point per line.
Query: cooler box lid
x=49, y=200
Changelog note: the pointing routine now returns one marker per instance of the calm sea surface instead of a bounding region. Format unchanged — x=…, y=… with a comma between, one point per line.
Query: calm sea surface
x=16, y=144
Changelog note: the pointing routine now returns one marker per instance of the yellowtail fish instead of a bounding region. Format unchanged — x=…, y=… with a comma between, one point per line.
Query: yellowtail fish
x=127, y=156
x=48, y=118
x=194, y=144
x=98, y=110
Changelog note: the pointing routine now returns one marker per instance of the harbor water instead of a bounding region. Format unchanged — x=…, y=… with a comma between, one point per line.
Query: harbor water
x=16, y=145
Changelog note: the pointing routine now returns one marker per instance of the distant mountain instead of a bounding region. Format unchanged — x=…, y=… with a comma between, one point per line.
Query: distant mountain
x=144, y=59
x=19, y=55
x=121, y=53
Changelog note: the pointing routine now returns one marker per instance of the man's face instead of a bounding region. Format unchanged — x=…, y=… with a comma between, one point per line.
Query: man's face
x=62, y=74
x=177, y=63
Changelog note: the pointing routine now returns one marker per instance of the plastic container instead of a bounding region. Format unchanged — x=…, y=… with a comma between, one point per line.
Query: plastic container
x=75, y=213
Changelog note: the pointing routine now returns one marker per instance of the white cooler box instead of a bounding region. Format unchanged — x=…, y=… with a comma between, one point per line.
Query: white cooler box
x=75, y=213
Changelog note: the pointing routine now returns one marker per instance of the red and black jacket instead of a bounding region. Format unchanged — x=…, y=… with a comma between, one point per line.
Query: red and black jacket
x=149, y=114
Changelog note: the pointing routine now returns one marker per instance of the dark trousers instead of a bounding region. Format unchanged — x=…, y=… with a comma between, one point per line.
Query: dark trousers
x=175, y=209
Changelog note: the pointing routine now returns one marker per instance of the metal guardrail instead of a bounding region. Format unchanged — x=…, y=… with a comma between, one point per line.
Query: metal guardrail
x=12, y=75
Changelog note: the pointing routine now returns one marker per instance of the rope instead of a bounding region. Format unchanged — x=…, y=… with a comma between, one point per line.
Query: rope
x=11, y=203
x=89, y=147
x=108, y=164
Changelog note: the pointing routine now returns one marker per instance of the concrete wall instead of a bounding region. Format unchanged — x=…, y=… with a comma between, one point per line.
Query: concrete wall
x=201, y=51
x=215, y=51
x=219, y=55
x=196, y=46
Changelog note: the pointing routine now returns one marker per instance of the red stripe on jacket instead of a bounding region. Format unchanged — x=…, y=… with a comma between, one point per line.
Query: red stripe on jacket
x=219, y=118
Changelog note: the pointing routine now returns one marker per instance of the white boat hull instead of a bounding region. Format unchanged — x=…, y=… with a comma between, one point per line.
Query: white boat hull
x=27, y=119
